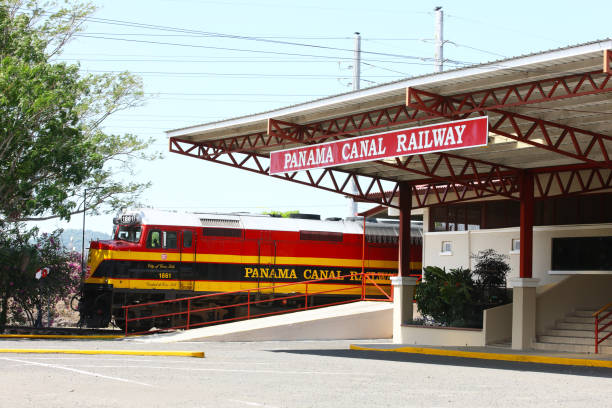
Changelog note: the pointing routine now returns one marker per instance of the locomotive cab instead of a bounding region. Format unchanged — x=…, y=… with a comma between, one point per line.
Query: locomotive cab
x=97, y=297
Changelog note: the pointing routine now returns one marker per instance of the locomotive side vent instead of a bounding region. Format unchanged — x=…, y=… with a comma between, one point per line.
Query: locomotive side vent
x=220, y=222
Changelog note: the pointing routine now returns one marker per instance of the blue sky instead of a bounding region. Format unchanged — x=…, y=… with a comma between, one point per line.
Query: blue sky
x=203, y=61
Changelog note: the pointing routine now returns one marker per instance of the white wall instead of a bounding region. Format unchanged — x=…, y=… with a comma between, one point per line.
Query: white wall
x=470, y=242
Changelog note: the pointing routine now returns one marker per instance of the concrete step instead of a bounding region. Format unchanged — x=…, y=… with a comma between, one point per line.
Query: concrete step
x=582, y=319
x=575, y=326
x=569, y=348
x=589, y=334
x=572, y=348
x=571, y=340
x=584, y=313
x=558, y=331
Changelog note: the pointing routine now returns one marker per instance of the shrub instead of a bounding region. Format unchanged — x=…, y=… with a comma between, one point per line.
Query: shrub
x=457, y=298
x=447, y=297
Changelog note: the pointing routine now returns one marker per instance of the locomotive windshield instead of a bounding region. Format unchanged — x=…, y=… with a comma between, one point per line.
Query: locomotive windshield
x=130, y=233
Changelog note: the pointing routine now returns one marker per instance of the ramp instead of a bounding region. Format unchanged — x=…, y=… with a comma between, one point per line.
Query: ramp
x=359, y=320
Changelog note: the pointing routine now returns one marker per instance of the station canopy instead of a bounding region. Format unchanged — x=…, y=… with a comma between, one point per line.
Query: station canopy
x=549, y=117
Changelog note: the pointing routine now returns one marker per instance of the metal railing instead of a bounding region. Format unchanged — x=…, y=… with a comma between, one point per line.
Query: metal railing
x=600, y=316
x=372, y=286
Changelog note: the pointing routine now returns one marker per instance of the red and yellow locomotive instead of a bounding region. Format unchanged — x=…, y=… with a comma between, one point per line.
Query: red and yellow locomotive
x=159, y=255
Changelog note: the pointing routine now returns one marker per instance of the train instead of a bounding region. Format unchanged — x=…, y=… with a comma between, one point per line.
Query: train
x=157, y=255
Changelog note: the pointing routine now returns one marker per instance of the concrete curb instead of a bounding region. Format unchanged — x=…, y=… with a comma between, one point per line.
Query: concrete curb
x=61, y=336
x=197, y=354
x=493, y=356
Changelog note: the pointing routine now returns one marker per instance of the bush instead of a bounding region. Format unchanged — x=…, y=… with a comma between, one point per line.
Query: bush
x=490, y=269
x=24, y=298
x=458, y=298
x=447, y=297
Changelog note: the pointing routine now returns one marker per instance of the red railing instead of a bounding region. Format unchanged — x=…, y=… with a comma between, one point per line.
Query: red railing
x=600, y=316
x=372, y=287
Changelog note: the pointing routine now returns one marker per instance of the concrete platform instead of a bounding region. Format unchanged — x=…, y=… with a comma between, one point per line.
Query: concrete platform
x=360, y=320
x=496, y=353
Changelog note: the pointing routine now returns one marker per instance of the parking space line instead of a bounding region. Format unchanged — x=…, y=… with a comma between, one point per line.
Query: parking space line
x=59, y=367
x=199, y=354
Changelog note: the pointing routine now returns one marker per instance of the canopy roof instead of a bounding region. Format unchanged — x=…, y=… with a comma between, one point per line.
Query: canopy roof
x=550, y=115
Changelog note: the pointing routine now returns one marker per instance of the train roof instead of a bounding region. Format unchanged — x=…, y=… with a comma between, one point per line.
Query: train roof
x=149, y=216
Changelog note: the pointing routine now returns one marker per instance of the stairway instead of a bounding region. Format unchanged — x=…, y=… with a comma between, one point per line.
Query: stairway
x=574, y=334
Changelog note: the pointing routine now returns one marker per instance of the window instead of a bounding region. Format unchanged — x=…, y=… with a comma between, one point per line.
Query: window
x=170, y=239
x=129, y=233
x=187, y=239
x=447, y=248
x=154, y=239
x=516, y=245
x=162, y=239
x=582, y=254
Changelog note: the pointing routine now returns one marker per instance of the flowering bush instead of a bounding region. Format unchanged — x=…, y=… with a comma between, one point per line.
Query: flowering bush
x=24, y=298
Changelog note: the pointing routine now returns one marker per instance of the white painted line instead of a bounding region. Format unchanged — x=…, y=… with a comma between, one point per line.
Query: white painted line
x=75, y=371
x=251, y=404
x=225, y=370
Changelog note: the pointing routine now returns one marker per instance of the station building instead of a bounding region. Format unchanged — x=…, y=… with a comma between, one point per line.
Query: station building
x=539, y=189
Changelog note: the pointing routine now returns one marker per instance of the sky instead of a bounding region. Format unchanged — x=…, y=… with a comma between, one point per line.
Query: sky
x=203, y=61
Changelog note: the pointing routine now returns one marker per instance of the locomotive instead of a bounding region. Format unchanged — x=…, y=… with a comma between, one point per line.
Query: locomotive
x=162, y=255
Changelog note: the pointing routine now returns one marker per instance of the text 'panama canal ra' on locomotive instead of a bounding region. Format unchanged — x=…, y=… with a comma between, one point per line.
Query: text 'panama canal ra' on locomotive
x=160, y=255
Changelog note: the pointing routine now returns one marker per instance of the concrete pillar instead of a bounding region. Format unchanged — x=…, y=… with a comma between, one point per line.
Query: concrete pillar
x=526, y=220
x=405, y=204
x=403, y=295
x=523, y=312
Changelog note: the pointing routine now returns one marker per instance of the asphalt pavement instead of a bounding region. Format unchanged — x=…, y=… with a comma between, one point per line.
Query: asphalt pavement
x=284, y=374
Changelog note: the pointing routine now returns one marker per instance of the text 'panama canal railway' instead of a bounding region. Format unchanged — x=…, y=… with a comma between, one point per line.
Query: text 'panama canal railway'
x=156, y=256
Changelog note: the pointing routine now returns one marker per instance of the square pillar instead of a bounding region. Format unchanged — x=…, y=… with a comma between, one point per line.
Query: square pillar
x=523, y=312
x=403, y=306
x=405, y=204
x=526, y=228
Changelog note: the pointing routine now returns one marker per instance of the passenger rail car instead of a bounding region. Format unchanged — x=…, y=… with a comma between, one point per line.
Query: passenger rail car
x=156, y=255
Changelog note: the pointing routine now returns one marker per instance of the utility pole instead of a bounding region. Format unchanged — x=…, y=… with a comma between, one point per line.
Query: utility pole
x=353, y=206
x=439, y=40
x=83, y=237
x=357, y=62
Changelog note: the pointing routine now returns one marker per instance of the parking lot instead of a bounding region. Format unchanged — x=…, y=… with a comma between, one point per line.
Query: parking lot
x=284, y=374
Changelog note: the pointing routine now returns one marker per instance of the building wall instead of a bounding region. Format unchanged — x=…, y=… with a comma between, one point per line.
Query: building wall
x=470, y=242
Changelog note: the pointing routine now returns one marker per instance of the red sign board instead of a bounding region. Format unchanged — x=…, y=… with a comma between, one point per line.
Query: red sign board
x=454, y=135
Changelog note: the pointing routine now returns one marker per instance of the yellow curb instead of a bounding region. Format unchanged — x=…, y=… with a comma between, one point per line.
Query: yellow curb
x=60, y=336
x=198, y=354
x=495, y=356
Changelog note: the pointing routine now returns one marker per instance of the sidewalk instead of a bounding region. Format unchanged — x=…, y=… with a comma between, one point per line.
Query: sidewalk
x=495, y=353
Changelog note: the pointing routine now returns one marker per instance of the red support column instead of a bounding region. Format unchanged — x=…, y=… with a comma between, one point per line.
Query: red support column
x=526, y=234
x=405, y=204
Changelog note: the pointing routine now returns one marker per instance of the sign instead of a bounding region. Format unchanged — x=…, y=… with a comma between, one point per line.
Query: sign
x=440, y=137
x=42, y=273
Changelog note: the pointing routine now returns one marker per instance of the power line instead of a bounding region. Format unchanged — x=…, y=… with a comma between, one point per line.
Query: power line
x=255, y=51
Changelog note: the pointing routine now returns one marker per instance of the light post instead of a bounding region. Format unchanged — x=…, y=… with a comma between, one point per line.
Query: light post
x=83, y=237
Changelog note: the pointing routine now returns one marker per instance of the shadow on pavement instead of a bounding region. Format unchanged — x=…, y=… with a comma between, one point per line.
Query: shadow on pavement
x=458, y=361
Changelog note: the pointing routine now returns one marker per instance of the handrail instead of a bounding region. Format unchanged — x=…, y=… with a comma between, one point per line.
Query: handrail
x=599, y=328
x=352, y=285
x=602, y=309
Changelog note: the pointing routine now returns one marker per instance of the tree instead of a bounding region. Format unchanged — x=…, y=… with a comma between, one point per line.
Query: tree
x=53, y=149
x=490, y=269
x=281, y=214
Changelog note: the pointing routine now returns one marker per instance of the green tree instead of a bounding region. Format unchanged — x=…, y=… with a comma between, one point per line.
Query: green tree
x=53, y=148
x=281, y=214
